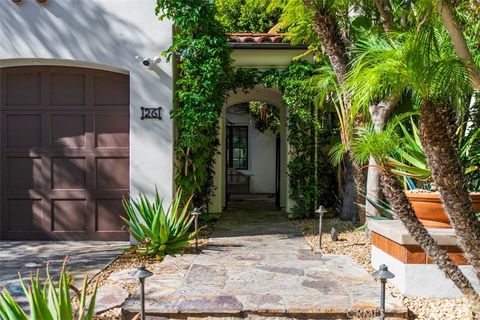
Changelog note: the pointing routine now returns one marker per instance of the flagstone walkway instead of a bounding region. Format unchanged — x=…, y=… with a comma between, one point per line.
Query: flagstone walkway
x=25, y=257
x=258, y=265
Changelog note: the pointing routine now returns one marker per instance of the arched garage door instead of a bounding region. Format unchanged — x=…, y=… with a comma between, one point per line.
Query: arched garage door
x=64, y=153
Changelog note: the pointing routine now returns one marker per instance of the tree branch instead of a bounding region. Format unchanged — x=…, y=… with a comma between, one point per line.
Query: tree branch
x=455, y=31
x=386, y=16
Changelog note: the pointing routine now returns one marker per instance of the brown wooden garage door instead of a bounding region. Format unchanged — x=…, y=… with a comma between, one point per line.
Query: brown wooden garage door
x=64, y=153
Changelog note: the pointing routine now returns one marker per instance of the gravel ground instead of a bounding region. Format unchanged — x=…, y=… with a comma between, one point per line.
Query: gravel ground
x=355, y=244
x=128, y=261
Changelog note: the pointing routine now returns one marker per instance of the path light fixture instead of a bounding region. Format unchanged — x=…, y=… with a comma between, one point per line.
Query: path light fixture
x=195, y=213
x=383, y=274
x=321, y=211
x=141, y=274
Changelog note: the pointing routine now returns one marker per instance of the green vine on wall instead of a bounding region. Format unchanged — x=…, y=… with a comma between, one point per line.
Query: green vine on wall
x=204, y=78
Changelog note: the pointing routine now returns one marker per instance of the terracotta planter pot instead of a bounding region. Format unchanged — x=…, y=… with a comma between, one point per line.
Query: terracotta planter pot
x=428, y=208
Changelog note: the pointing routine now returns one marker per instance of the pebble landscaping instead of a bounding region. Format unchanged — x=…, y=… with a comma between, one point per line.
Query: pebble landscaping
x=355, y=244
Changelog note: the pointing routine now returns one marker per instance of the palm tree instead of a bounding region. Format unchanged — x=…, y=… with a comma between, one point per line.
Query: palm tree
x=326, y=24
x=324, y=86
x=382, y=145
x=425, y=65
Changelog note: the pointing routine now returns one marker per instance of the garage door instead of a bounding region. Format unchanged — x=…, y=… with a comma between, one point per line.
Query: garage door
x=64, y=153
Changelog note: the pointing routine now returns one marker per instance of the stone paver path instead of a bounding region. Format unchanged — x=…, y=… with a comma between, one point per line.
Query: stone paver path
x=84, y=257
x=257, y=264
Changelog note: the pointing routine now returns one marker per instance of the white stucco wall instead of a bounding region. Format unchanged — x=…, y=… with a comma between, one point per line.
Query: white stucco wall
x=261, y=158
x=113, y=33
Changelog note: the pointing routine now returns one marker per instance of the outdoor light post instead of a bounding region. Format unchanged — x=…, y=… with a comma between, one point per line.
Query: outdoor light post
x=196, y=212
x=141, y=274
x=321, y=210
x=383, y=274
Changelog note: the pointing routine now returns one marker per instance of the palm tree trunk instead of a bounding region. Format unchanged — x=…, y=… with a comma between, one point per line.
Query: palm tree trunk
x=327, y=28
x=349, y=208
x=386, y=16
x=437, y=132
x=328, y=31
x=380, y=114
x=404, y=211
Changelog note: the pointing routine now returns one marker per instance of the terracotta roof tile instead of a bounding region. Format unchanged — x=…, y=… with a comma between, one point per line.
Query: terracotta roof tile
x=255, y=37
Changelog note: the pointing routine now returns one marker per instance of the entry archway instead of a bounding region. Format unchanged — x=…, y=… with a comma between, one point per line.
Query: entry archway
x=272, y=96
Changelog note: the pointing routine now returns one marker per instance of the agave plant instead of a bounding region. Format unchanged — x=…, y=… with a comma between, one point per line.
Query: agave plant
x=158, y=231
x=411, y=161
x=384, y=208
x=50, y=301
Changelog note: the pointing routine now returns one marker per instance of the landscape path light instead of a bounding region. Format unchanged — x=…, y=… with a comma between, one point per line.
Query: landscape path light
x=321, y=211
x=383, y=274
x=141, y=274
x=195, y=213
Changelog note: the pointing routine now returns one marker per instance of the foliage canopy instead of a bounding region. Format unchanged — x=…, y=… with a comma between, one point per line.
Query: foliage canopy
x=256, y=16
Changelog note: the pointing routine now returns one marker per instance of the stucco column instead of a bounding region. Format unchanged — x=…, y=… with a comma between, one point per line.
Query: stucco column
x=217, y=200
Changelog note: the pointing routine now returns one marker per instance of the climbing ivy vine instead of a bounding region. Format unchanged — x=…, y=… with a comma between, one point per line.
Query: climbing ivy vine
x=204, y=78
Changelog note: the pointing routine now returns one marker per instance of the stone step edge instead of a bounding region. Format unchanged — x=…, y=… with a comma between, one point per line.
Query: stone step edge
x=354, y=314
x=131, y=308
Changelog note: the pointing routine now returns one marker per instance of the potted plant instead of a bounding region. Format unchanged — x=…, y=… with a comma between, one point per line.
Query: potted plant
x=410, y=163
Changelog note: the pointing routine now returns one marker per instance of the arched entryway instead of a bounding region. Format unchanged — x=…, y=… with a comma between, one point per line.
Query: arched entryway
x=271, y=96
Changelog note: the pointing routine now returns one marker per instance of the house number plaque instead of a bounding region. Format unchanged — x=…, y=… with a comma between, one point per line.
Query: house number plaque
x=151, y=113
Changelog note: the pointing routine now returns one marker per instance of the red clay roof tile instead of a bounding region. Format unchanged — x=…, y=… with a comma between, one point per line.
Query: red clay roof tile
x=247, y=37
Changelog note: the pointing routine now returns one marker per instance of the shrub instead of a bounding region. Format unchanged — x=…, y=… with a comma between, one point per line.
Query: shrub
x=48, y=301
x=158, y=231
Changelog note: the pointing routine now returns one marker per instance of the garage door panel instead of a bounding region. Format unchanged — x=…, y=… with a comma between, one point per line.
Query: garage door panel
x=112, y=173
x=69, y=173
x=22, y=130
x=69, y=215
x=107, y=215
x=67, y=89
x=23, y=173
x=64, y=153
x=110, y=91
x=111, y=130
x=68, y=130
x=23, y=89
x=24, y=214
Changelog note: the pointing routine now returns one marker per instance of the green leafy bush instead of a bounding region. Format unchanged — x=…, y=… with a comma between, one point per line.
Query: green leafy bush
x=248, y=15
x=158, y=231
x=50, y=301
